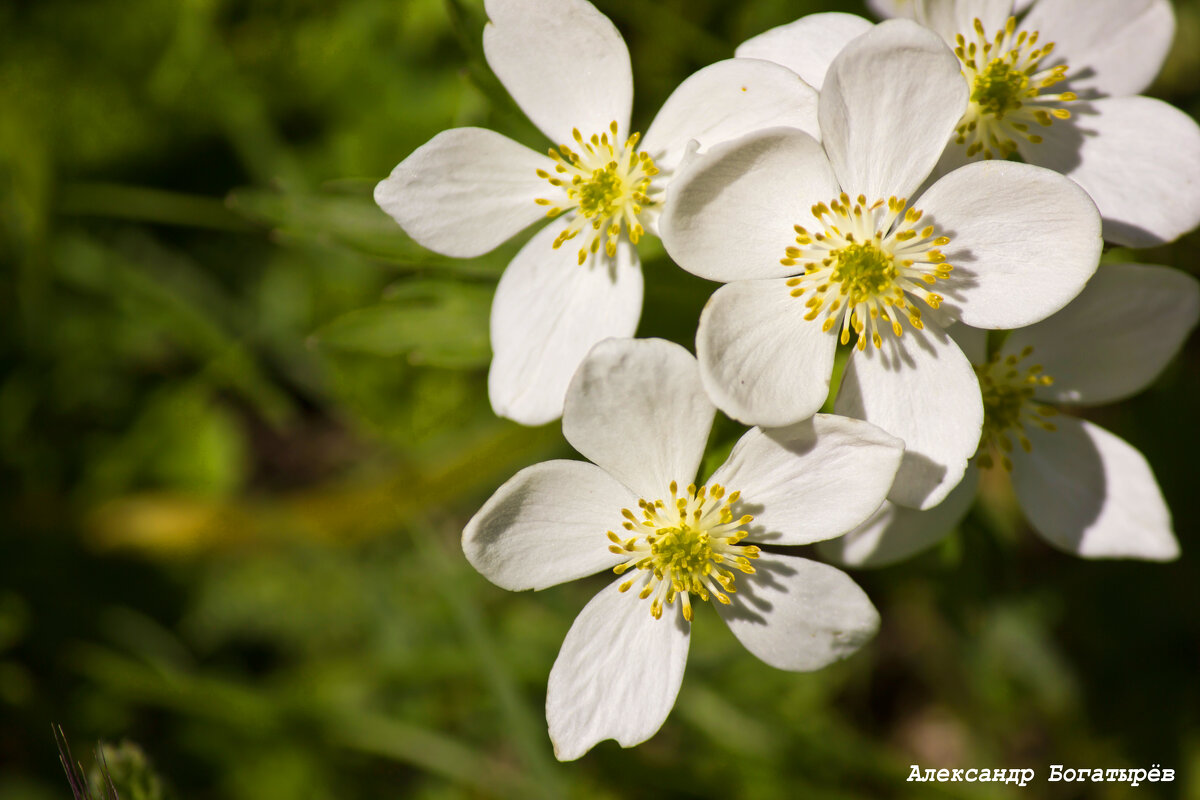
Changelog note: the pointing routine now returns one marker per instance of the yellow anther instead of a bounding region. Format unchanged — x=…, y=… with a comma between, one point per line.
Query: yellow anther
x=679, y=544
x=1007, y=90
x=608, y=187
x=872, y=256
x=1009, y=406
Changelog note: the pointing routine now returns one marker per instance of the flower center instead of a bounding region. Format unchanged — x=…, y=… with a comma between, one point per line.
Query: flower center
x=1007, y=90
x=999, y=88
x=865, y=270
x=687, y=545
x=1008, y=406
x=606, y=184
x=863, y=266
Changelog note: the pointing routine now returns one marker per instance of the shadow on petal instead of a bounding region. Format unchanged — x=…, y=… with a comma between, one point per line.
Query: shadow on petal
x=961, y=278
x=1075, y=79
x=1061, y=484
x=747, y=604
x=788, y=440
x=1126, y=232
x=893, y=388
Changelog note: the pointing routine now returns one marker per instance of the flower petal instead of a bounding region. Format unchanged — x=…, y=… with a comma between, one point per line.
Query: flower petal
x=972, y=341
x=1023, y=241
x=637, y=409
x=465, y=191
x=727, y=100
x=799, y=615
x=1137, y=157
x=889, y=104
x=922, y=389
x=1116, y=47
x=730, y=215
x=887, y=9
x=547, y=525
x=986, y=10
x=617, y=674
x=567, y=69
x=952, y=17
x=762, y=363
x=1090, y=493
x=894, y=533
x=548, y=312
x=812, y=480
x=808, y=45
x=1116, y=337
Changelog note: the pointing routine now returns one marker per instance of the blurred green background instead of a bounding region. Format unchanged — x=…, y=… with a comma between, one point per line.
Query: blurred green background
x=243, y=419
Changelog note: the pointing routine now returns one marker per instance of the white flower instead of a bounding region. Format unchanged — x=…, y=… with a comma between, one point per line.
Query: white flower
x=578, y=280
x=1059, y=88
x=818, y=246
x=908, y=8
x=636, y=408
x=1083, y=489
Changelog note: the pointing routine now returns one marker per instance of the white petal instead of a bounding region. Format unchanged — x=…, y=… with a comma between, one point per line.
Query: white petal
x=812, y=480
x=1114, y=46
x=972, y=341
x=952, y=17
x=1023, y=241
x=465, y=191
x=730, y=215
x=636, y=408
x=922, y=389
x=1137, y=157
x=566, y=69
x=1090, y=493
x=799, y=615
x=727, y=100
x=984, y=9
x=808, y=45
x=889, y=104
x=546, y=525
x=762, y=363
x=894, y=533
x=548, y=313
x=887, y=9
x=989, y=10
x=617, y=674
x=1116, y=337
x=953, y=157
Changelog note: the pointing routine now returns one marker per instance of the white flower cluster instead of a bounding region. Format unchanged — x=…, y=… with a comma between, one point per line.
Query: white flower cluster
x=898, y=189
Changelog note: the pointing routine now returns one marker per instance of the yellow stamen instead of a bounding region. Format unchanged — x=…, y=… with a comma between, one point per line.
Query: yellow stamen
x=1008, y=406
x=1008, y=90
x=876, y=259
x=607, y=185
x=679, y=545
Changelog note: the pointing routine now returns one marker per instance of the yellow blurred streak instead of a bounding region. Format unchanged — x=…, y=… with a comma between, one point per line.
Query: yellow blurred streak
x=164, y=524
x=998, y=502
x=178, y=525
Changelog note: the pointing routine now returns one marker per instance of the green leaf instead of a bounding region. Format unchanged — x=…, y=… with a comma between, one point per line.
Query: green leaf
x=349, y=221
x=439, y=323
